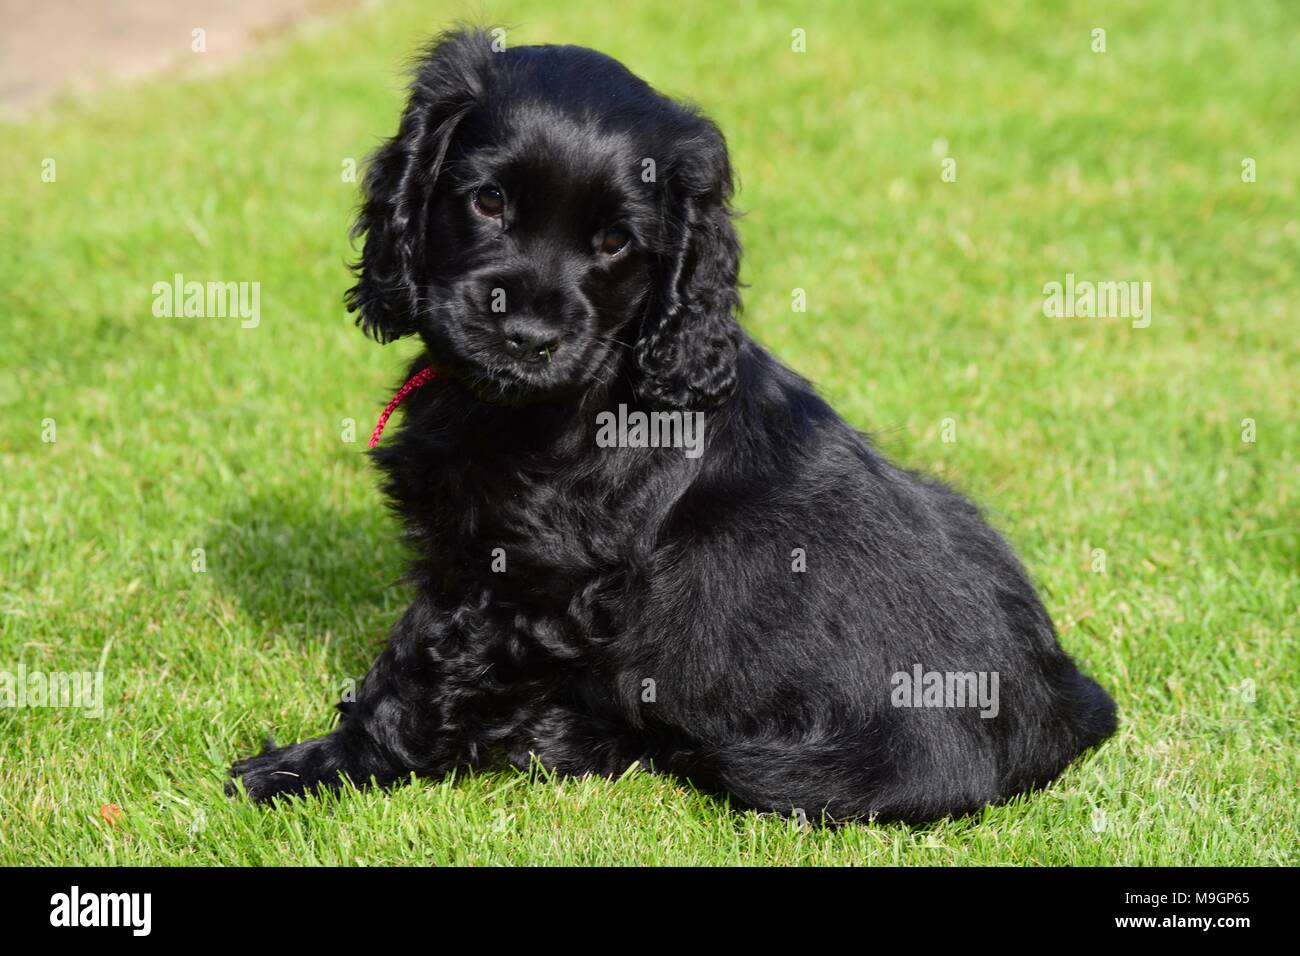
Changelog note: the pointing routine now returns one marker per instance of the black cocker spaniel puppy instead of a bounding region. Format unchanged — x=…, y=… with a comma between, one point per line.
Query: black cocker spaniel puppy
x=639, y=537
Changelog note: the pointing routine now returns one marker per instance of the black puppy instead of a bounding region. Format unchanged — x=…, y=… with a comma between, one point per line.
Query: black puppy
x=774, y=612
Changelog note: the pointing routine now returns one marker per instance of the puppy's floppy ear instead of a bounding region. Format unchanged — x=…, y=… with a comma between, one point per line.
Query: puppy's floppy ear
x=448, y=82
x=686, y=354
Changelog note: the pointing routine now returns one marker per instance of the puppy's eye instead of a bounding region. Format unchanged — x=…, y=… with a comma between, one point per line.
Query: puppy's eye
x=490, y=201
x=612, y=240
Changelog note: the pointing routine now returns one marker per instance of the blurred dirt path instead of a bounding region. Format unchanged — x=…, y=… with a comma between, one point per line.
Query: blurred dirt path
x=48, y=46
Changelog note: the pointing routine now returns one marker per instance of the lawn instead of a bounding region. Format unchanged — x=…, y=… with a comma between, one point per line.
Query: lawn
x=202, y=528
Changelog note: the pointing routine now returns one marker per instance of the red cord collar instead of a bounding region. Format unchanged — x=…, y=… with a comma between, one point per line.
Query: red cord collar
x=414, y=382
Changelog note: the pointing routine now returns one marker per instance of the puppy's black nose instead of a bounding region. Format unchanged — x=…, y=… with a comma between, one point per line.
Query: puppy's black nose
x=529, y=341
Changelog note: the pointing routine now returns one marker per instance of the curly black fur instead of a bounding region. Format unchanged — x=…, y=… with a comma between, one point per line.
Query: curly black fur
x=591, y=607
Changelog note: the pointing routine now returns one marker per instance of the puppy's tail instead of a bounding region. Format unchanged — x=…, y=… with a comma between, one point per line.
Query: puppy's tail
x=1095, y=714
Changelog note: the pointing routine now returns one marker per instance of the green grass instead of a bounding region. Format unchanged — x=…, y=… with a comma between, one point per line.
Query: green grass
x=924, y=303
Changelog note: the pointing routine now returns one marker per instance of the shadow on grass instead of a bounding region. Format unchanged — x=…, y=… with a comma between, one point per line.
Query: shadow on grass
x=297, y=567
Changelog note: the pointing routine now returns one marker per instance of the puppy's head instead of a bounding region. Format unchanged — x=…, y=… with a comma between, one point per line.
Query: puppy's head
x=545, y=222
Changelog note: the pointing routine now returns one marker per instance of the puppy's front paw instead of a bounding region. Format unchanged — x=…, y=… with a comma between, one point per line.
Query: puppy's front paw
x=285, y=771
